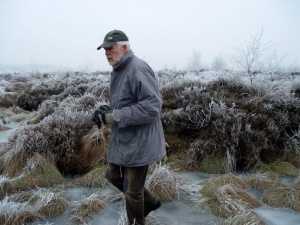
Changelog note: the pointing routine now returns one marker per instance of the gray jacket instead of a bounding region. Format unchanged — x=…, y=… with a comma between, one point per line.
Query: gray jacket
x=137, y=138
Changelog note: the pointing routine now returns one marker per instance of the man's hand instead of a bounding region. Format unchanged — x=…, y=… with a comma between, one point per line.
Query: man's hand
x=96, y=119
x=106, y=114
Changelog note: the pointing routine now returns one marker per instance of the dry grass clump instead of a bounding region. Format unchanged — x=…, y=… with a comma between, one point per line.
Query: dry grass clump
x=231, y=203
x=211, y=164
x=93, y=146
x=281, y=168
x=227, y=201
x=285, y=169
x=50, y=202
x=85, y=209
x=93, y=179
x=212, y=184
x=12, y=164
x=47, y=202
x=3, y=127
x=226, y=197
x=14, y=213
x=252, y=123
x=58, y=134
x=162, y=183
x=5, y=186
x=283, y=197
x=45, y=109
x=248, y=218
x=296, y=184
x=7, y=99
x=178, y=161
x=264, y=180
x=40, y=171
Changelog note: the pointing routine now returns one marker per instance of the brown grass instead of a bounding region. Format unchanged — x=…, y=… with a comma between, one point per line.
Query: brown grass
x=284, y=168
x=213, y=165
x=264, y=180
x=243, y=218
x=93, y=146
x=227, y=198
x=12, y=213
x=296, y=184
x=50, y=202
x=281, y=168
x=178, y=161
x=86, y=208
x=13, y=165
x=283, y=197
x=212, y=184
x=93, y=179
x=229, y=201
x=5, y=187
x=3, y=127
x=40, y=171
x=162, y=183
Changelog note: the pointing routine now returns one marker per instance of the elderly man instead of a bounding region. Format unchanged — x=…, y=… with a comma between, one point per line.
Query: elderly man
x=137, y=137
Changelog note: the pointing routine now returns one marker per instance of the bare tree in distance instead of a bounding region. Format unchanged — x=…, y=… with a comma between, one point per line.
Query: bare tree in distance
x=194, y=63
x=218, y=64
x=255, y=56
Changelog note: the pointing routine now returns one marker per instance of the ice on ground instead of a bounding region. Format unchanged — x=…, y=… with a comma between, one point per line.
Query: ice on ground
x=278, y=216
x=5, y=134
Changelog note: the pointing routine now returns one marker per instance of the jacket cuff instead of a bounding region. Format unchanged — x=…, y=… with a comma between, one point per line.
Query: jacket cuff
x=117, y=115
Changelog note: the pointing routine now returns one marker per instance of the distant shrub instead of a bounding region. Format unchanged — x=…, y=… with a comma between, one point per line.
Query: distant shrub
x=29, y=102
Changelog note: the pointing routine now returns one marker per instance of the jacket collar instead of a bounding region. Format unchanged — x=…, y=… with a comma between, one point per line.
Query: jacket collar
x=126, y=58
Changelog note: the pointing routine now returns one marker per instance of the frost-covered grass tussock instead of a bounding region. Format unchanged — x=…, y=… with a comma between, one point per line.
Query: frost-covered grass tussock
x=161, y=182
x=214, y=122
x=85, y=209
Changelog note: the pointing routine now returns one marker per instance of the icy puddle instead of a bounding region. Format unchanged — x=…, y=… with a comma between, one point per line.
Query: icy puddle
x=5, y=134
x=278, y=216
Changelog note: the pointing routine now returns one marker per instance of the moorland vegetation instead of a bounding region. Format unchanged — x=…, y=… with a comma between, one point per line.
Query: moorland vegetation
x=214, y=122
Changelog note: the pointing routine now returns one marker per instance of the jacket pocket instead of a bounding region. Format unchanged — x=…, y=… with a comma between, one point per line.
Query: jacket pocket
x=129, y=145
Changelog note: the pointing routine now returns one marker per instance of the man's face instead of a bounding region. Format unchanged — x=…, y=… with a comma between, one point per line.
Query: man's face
x=115, y=53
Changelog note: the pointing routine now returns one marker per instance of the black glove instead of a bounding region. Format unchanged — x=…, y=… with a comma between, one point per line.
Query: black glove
x=96, y=119
x=106, y=114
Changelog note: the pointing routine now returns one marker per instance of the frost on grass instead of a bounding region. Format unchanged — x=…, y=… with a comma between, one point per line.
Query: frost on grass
x=227, y=198
x=17, y=213
x=40, y=171
x=283, y=197
x=264, y=180
x=233, y=122
x=280, y=168
x=162, y=183
x=85, y=209
x=93, y=179
x=47, y=202
x=59, y=135
x=149, y=220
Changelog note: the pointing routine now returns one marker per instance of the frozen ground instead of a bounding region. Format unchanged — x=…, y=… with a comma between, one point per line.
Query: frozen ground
x=178, y=212
x=183, y=211
x=4, y=134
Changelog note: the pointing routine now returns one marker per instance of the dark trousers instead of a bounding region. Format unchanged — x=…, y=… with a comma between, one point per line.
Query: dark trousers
x=131, y=181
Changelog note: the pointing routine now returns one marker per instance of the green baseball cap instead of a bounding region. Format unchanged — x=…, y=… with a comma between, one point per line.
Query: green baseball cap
x=112, y=38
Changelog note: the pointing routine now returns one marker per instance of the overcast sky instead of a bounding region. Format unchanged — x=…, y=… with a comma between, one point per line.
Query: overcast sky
x=165, y=33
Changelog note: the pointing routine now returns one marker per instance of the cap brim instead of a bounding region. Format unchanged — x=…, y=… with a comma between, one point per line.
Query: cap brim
x=106, y=45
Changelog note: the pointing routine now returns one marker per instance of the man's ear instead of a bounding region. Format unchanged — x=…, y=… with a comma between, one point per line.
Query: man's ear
x=124, y=48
